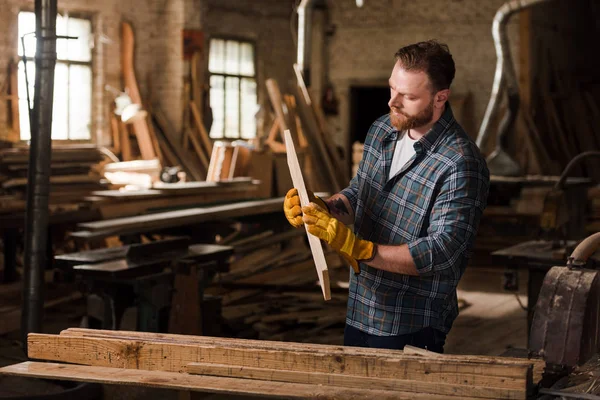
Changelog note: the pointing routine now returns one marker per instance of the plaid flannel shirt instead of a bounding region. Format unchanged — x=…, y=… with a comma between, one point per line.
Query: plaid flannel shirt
x=433, y=204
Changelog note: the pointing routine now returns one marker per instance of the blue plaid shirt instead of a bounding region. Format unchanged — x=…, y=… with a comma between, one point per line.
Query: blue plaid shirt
x=433, y=204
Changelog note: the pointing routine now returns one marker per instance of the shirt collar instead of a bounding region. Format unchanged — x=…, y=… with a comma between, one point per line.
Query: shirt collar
x=430, y=139
x=438, y=129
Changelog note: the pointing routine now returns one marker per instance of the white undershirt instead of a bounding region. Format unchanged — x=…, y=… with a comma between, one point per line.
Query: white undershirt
x=402, y=153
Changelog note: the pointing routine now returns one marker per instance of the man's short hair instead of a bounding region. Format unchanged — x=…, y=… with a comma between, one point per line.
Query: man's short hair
x=431, y=57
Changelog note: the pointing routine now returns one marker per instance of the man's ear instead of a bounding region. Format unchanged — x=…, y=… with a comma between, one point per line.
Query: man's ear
x=441, y=98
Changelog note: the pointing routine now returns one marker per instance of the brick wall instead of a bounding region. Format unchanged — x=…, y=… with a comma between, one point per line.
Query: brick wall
x=157, y=25
x=365, y=39
x=360, y=49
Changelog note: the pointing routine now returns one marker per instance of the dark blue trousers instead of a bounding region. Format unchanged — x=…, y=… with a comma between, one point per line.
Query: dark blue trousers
x=427, y=338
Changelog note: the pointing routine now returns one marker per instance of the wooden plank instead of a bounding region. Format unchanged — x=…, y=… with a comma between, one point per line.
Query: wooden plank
x=315, y=244
x=311, y=130
x=185, y=158
x=173, y=356
x=174, y=380
x=282, y=115
x=350, y=381
x=15, y=133
x=320, y=118
x=273, y=345
x=126, y=153
x=204, y=136
x=140, y=126
x=198, y=148
x=187, y=217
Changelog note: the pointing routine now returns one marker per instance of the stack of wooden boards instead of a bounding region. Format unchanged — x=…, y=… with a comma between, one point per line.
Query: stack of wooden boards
x=271, y=291
x=72, y=176
x=290, y=370
x=116, y=203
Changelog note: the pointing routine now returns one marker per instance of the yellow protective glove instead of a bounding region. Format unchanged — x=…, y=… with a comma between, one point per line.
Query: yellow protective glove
x=353, y=263
x=291, y=206
x=321, y=224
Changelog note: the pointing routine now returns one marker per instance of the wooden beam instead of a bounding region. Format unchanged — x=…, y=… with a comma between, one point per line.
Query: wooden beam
x=322, y=125
x=174, y=355
x=175, y=380
x=172, y=219
x=281, y=114
x=312, y=133
x=204, y=136
x=15, y=134
x=350, y=381
x=315, y=244
x=140, y=126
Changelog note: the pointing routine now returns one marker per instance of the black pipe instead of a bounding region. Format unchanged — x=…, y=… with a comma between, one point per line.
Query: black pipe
x=38, y=183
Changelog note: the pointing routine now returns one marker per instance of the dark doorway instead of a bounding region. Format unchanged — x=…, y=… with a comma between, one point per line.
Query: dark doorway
x=367, y=103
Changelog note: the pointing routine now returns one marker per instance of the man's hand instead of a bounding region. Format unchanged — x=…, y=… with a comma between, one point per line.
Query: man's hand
x=321, y=224
x=292, y=208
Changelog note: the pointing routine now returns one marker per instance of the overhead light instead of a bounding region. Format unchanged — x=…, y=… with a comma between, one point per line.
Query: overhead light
x=359, y=3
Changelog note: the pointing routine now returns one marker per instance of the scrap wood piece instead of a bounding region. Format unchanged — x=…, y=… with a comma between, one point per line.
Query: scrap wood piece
x=140, y=125
x=175, y=355
x=175, y=380
x=315, y=244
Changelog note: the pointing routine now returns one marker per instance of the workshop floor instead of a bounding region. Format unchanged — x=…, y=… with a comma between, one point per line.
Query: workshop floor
x=491, y=321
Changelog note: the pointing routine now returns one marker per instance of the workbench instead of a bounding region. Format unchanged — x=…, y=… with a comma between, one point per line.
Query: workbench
x=144, y=275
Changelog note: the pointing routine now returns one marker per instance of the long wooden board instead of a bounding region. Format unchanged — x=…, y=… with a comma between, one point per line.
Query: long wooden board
x=175, y=380
x=503, y=362
x=315, y=243
x=410, y=373
x=350, y=381
x=140, y=126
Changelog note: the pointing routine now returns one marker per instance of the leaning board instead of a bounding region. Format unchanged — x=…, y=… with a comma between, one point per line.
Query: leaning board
x=315, y=243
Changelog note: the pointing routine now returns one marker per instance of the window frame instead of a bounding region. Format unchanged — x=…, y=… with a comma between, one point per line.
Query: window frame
x=91, y=17
x=240, y=40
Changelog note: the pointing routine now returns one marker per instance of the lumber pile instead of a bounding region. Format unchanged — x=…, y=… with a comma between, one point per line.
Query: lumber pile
x=72, y=176
x=271, y=290
x=291, y=370
x=164, y=196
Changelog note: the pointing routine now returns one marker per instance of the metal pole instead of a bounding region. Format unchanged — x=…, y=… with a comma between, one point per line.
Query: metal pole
x=38, y=185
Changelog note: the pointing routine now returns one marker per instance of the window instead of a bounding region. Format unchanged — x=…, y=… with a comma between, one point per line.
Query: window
x=72, y=107
x=233, y=96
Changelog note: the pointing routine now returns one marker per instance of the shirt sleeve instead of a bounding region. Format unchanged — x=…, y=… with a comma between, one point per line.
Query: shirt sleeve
x=454, y=218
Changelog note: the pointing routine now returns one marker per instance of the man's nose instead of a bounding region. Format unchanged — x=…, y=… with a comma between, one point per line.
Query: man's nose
x=395, y=101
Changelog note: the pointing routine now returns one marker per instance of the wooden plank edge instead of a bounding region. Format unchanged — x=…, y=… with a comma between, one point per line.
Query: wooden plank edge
x=124, y=353
x=181, y=381
x=354, y=381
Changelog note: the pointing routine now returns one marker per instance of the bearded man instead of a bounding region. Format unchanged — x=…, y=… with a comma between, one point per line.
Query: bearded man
x=415, y=205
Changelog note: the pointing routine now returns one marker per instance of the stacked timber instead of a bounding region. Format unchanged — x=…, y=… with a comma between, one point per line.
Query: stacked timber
x=165, y=196
x=271, y=291
x=291, y=370
x=72, y=176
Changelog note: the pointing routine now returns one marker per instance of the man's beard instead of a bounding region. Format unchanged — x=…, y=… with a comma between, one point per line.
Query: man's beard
x=412, y=121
